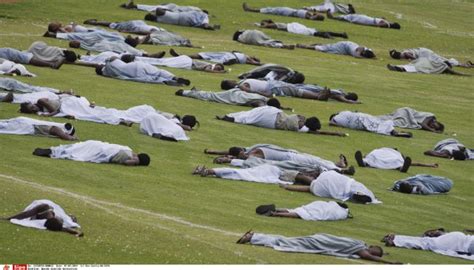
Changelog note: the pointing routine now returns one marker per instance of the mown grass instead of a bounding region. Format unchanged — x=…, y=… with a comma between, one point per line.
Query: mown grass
x=114, y=234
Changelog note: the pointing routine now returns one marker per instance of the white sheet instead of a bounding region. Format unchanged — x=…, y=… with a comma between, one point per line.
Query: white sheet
x=157, y=123
x=90, y=151
x=39, y=223
x=384, y=158
x=319, y=210
x=267, y=174
x=24, y=125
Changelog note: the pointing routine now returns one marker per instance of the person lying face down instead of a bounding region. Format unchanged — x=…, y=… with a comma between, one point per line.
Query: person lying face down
x=29, y=126
x=452, y=149
x=193, y=18
x=274, y=118
x=286, y=11
x=95, y=152
x=324, y=244
x=45, y=214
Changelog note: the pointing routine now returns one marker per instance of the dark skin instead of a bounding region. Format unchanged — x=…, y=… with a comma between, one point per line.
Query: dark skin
x=251, y=60
x=441, y=154
x=372, y=253
x=393, y=133
x=42, y=211
x=57, y=132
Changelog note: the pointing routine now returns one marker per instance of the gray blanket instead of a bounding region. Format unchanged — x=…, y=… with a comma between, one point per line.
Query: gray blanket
x=426, y=184
x=406, y=117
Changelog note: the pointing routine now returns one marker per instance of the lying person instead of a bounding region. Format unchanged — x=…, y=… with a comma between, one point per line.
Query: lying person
x=154, y=35
x=333, y=7
x=267, y=174
x=258, y=38
x=426, y=65
x=170, y=6
x=25, y=57
x=324, y=244
x=30, y=97
x=9, y=84
x=342, y=48
x=415, y=53
x=331, y=184
x=12, y=69
x=452, y=149
x=30, y=126
x=388, y=159
x=165, y=127
x=46, y=215
x=193, y=18
x=57, y=27
x=276, y=153
x=139, y=72
x=181, y=62
x=367, y=122
x=231, y=97
x=93, y=36
x=81, y=109
x=279, y=88
x=423, y=184
x=274, y=72
x=364, y=20
x=51, y=54
x=407, y=117
x=273, y=118
x=454, y=244
x=96, y=152
x=315, y=211
x=298, y=28
x=286, y=11
x=225, y=58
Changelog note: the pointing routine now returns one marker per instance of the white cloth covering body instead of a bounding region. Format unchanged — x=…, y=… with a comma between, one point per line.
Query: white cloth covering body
x=24, y=125
x=89, y=151
x=155, y=123
x=39, y=223
x=384, y=158
x=319, y=210
x=264, y=116
x=267, y=174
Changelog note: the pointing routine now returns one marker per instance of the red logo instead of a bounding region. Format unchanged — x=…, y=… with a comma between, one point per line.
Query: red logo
x=6, y=267
x=20, y=267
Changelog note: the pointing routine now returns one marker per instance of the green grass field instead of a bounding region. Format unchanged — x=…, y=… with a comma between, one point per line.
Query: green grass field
x=163, y=214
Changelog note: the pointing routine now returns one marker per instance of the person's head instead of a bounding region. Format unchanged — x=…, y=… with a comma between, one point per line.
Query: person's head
x=395, y=25
x=228, y=84
x=367, y=53
x=69, y=129
x=28, y=107
x=54, y=27
x=70, y=56
x=297, y=78
x=315, y=16
x=150, y=17
x=98, y=70
x=360, y=198
x=352, y=96
x=274, y=103
x=53, y=224
x=375, y=251
x=313, y=123
x=237, y=35
x=434, y=232
x=127, y=58
x=143, y=159
x=132, y=41
x=395, y=54
x=405, y=187
x=75, y=44
x=237, y=152
x=434, y=124
x=217, y=67
x=458, y=155
x=160, y=12
x=266, y=22
x=189, y=120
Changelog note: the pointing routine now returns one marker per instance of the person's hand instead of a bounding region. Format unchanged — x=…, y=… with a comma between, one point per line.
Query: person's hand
x=80, y=234
x=435, y=165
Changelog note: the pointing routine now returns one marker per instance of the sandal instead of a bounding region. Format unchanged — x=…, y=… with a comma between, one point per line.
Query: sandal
x=246, y=237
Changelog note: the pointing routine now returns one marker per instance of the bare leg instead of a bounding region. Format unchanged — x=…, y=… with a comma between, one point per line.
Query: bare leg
x=249, y=9
x=309, y=47
x=284, y=213
x=176, y=54
x=303, y=179
x=402, y=134
x=215, y=152
x=40, y=63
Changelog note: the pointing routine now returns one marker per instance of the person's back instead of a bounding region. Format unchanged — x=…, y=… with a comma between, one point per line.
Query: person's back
x=453, y=241
x=47, y=53
x=341, y=47
x=331, y=184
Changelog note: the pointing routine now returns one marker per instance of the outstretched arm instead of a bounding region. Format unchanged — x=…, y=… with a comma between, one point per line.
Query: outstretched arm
x=295, y=188
x=365, y=255
x=437, y=154
x=453, y=72
x=215, y=152
x=332, y=133
x=341, y=98
x=430, y=165
x=73, y=231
